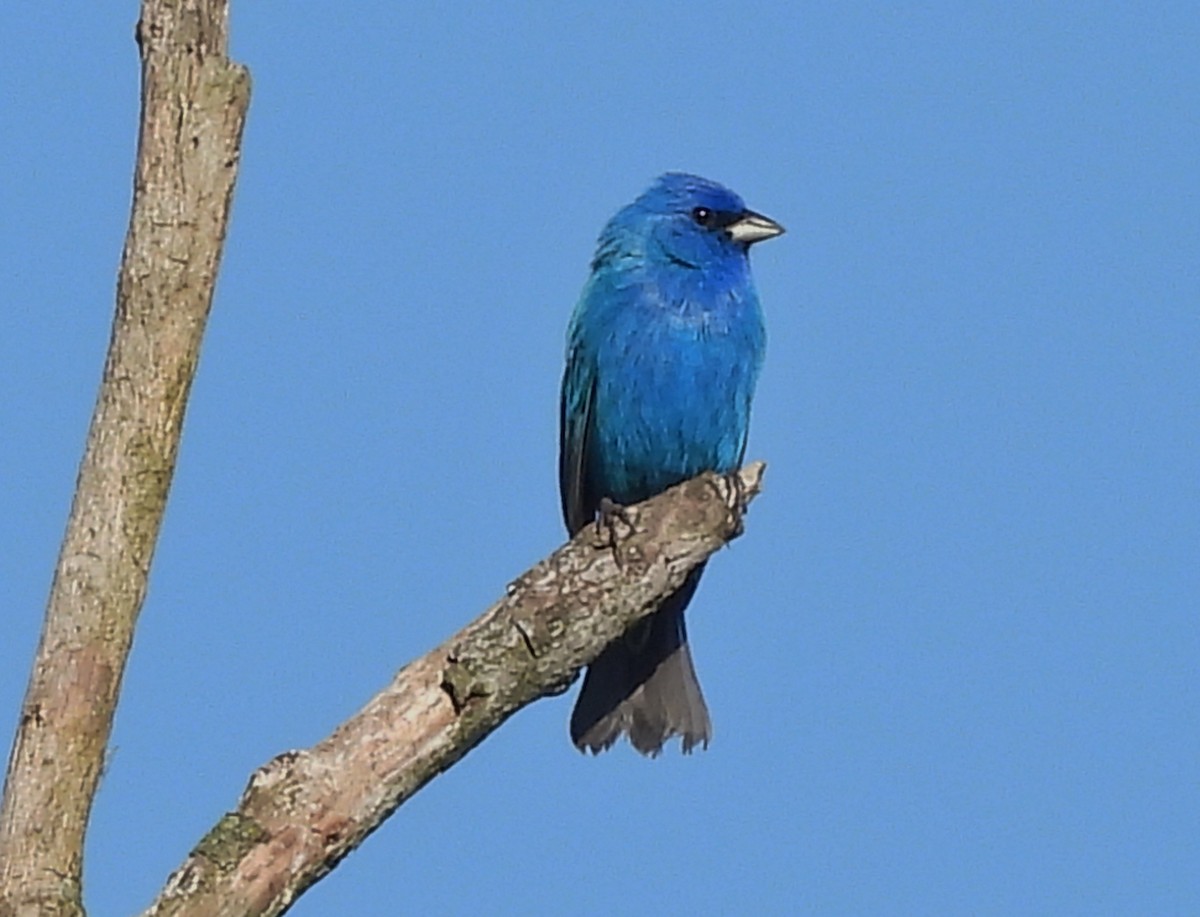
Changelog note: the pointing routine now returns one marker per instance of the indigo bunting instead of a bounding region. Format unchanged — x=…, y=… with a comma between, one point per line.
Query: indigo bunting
x=663, y=352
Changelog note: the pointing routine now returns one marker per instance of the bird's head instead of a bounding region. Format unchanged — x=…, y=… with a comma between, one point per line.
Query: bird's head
x=693, y=222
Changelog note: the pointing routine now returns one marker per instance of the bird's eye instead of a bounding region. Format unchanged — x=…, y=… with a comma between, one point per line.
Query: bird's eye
x=703, y=216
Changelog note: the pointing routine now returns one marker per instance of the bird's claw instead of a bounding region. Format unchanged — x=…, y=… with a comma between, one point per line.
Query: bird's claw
x=736, y=497
x=610, y=515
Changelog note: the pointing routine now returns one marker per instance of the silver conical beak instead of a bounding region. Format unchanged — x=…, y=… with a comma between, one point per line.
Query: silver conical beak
x=753, y=227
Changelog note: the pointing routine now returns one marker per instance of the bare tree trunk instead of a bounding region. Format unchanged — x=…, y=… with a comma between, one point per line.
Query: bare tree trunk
x=194, y=104
x=304, y=811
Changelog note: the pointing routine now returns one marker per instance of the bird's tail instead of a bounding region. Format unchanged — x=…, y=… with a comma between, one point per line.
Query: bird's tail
x=644, y=684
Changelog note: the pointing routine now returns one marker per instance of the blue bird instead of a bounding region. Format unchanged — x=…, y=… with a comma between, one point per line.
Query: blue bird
x=663, y=352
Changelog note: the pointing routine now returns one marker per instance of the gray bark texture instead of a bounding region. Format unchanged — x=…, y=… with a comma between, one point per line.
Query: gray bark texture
x=303, y=811
x=194, y=104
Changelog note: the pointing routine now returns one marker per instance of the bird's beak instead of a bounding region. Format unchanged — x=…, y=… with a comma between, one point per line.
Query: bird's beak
x=753, y=227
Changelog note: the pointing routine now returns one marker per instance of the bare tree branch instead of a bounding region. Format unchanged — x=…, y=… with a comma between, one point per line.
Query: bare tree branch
x=194, y=104
x=305, y=810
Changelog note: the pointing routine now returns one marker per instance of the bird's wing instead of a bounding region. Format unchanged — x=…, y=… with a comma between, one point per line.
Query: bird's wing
x=741, y=456
x=575, y=422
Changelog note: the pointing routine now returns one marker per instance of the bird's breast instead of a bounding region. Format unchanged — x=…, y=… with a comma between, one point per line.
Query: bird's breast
x=673, y=398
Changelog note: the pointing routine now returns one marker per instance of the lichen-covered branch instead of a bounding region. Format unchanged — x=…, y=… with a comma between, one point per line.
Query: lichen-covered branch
x=305, y=810
x=194, y=103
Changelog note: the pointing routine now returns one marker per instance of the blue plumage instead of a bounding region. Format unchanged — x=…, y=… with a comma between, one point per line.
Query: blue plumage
x=663, y=352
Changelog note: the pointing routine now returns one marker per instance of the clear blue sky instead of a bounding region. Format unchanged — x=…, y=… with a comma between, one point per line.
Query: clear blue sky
x=953, y=664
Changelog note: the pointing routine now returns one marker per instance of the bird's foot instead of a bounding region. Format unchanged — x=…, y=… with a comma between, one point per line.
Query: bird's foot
x=737, y=497
x=614, y=523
